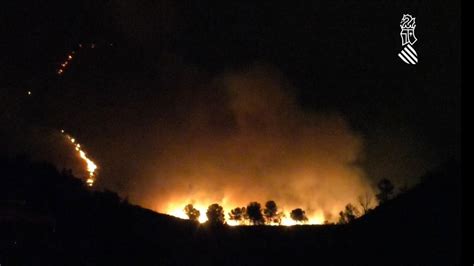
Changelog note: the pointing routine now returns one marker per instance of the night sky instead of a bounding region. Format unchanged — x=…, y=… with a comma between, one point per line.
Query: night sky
x=153, y=59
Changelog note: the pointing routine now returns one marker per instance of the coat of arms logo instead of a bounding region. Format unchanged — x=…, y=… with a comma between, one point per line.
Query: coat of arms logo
x=407, y=33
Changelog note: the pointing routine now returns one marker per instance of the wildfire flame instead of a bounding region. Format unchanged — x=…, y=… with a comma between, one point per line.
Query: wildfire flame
x=91, y=166
x=177, y=210
x=70, y=56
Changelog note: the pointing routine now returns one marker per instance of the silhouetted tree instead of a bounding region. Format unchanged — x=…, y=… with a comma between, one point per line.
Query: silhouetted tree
x=386, y=189
x=238, y=214
x=192, y=212
x=349, y=214
x=365, y=201
x=254, y=212
x=298, y=215
x=215, y=214
x=271, y=212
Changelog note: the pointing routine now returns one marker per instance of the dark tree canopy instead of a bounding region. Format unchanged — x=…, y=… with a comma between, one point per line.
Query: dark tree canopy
x=192, y=212
x=238, y=214
x=271, y=212
x=365, y=201
x=215, y=214
x=254, y=212
x=386, y=190
x=349, y=214
x=298, y=215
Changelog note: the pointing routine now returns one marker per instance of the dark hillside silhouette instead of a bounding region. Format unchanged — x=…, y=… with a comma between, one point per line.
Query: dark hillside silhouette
x=52, y=218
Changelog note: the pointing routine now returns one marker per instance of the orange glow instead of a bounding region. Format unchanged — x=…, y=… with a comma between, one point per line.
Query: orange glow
x=270, y=149
x=177, y=210
x=90, y=182
x=91, y=167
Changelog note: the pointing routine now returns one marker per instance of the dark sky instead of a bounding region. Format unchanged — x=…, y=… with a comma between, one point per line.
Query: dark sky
x=339, y=56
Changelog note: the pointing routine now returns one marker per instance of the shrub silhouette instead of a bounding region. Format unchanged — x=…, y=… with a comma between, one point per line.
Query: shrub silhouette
x=254, y=212
x=365, y=201
x=298, y=215
x=238, y=214
x=349, y=214
x=215, y=214
x=271, y=212
x=192, y=212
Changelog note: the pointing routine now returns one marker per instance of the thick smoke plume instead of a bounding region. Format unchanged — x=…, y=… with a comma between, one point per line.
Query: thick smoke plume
x=244, y=138
x=232, y=139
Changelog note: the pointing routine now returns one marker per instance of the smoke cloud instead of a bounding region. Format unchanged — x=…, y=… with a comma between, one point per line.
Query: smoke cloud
x=244, y=138
x=231, y=139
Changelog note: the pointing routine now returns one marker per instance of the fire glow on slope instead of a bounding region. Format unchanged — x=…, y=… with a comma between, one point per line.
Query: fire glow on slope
x=244, y=137
x=177, y=210
x=90, y=165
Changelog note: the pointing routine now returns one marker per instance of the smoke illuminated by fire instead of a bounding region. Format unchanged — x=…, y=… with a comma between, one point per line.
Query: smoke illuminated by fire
x=244, y=138
x=90, y=165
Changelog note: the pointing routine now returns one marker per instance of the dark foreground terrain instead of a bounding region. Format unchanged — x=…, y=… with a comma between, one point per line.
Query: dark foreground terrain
x=50, y=218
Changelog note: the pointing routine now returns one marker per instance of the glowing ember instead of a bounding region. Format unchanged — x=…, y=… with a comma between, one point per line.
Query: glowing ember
x=90, y=182
x=70, y=56
x=91, y=166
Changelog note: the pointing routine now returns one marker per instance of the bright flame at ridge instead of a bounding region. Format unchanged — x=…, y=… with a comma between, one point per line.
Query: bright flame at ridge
x=177, y=210
x=91, y=166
